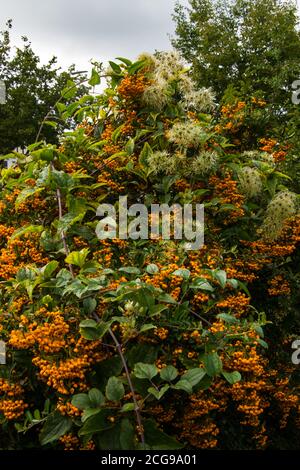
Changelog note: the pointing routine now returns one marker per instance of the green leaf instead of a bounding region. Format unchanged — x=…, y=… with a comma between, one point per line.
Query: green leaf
x=114, y=389
x=157, y=309
x=193, y=376
x=81, y=401
x=128, y=407
x=49, y=269
x=96, y=398
x=87, y=413
x=77, y=257
x=145, y=371
x=25, y=194
x=232, y=377
x=202, y=284
x=145, y=153
x=221, y=277
x=69, y=91
x=152, y=269
x=213, y=364
x=89, y=305
x=27, y=229
x=115, y=67
x=47, y=154
x=184, y=273
x=129, y=147
x=55, y=426
x=92, y=330
x=116, y=133
x=124, y=60
x=263, y=343
x=88, y=323
x=183, y=384
x=159, y=393
x=119, y=437
x=233, y=282
x=132, y=69
x=95, y=78
x=130, y=270
x=156, y=439
x=164, y=297
x=146, y=327
x=227, y=318
x=96, y=423
x=168, y=373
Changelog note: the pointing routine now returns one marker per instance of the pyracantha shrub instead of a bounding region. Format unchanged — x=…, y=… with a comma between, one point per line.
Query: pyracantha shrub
x=131, y=344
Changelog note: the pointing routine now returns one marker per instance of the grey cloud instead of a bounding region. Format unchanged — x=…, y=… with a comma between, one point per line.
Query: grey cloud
x=77, y=31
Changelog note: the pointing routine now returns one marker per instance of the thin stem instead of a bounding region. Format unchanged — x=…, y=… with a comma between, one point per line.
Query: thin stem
x=135, y=401
x=62, y=234
x=134, y=398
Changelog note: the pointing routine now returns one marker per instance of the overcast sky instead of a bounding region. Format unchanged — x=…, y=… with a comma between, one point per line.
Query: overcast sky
x=77, y=31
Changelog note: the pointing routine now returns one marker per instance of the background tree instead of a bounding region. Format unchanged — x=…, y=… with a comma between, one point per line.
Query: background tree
x=32, y=89
x=244, y=48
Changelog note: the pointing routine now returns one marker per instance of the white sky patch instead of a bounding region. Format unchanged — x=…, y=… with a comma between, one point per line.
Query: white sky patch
x=76, y=31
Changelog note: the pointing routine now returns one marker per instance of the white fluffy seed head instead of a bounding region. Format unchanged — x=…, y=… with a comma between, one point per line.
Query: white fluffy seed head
x=205, y=163
x=250, y=182
x=283, y=206
x=186, y=134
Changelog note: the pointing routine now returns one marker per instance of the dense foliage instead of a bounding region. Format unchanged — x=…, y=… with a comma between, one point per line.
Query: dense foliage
x=123, y=344
x=244, y=48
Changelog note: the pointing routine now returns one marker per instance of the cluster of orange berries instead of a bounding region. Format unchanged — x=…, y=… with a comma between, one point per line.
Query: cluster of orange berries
x=6, y=232
x=182, y=185
x=226, y=189
x=110, y=148
x=197, y=427
x=71, y=370
x=49, y=336
x=11, y=404
x=2, y=207
x=72, y=167
x=68, y=375
x=231, y=110
x=279, y=286
x=206, y=257
x=199, y=299
x=162, y=333
x=67, y=409
x=286, y=400
x=268, y=145
x=32, y=204
x=237, y=303
x=248, y=360
x=162, y=415
x=164, y=280
x=79, y=242
x=132, y=86
x=258, y=101
x=105, y=254
x=26, y=250
x=12, y=409
x=244, y=271
x=107, y=179
x=72, y=442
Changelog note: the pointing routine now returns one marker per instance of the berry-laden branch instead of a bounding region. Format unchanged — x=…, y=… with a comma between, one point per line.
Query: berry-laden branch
x=113, y=336
x=134, y=398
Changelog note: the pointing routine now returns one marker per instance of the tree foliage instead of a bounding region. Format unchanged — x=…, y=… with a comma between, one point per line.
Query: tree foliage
x=32, y=90
x=244, y=48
